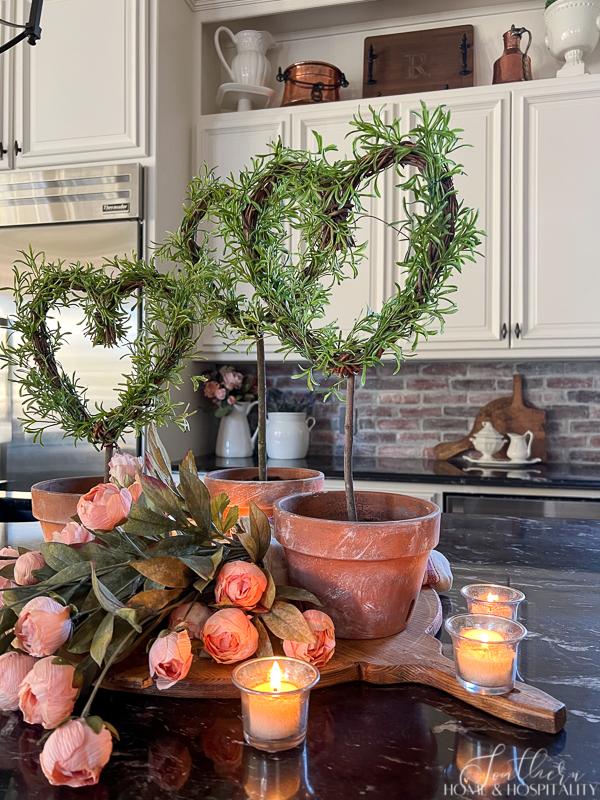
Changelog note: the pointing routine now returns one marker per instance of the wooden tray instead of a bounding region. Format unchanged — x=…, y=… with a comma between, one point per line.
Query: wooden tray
x=507, y=414
x=413, y=656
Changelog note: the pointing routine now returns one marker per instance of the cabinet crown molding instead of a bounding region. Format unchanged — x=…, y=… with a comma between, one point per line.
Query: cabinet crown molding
x=219, y=10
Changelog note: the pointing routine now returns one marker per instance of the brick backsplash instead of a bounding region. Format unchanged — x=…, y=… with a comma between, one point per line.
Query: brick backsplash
x=405, y=415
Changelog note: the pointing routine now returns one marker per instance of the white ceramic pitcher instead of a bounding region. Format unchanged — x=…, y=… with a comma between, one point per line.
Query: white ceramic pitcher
x=250, y=65
x=233, y=439
x=519, y=448
x=288, y=434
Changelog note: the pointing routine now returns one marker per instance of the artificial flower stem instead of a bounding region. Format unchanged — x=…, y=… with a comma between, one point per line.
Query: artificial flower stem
x=261, y=376
x=348, y=445
x=107, y=666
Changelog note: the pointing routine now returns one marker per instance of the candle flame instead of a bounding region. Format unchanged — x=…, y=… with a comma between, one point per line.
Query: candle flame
x=275, y=677
x=492, y=598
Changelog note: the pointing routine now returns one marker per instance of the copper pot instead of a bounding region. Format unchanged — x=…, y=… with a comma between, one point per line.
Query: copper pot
x=311, y=82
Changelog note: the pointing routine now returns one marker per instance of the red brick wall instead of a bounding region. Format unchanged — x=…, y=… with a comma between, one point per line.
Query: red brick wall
x=405, y=415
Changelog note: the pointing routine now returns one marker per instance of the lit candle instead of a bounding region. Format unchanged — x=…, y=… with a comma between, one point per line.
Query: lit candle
x=275, y=696
x=485, y=651
x=492, y=599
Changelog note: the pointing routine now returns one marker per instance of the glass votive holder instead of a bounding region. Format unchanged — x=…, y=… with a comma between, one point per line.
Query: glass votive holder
x=493, y=599
x=275, y=693
x=485, y=652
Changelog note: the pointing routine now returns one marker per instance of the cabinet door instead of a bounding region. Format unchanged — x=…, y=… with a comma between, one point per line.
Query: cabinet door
x=227, y=145
x=351, y=298
x=556, y=198
x=7, y=12
x=80, y=93
x=482, y=296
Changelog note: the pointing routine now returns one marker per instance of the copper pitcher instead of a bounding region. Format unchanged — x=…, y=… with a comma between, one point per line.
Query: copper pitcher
x=311, y=82
x=513, y=64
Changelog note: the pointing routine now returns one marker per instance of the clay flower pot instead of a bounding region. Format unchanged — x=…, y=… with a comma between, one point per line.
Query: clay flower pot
x=54, y=502
x=367, y=574
x=243, y=487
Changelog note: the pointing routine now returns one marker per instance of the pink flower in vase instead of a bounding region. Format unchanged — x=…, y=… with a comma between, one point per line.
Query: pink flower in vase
x=210, y=389
x=232, y=379
x=221, y=393
x=232, y=400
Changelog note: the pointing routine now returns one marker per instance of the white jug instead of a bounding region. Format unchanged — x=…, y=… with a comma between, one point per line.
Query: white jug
x=233, y=439
x=288, y=434
x=519, y=448
x=250, y=65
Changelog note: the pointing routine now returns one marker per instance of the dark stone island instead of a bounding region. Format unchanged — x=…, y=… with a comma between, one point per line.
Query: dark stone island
x=381, y=743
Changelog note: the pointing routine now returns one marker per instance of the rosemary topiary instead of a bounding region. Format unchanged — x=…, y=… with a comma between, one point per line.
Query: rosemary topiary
x=323, y=202
x=53, y=398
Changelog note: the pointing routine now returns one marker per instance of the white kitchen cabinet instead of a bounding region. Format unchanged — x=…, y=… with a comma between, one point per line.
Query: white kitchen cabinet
x=481, y=321
x=7, y=11
x=226, y=145
x=350, y=299
x=555, y=206
x=81, y=92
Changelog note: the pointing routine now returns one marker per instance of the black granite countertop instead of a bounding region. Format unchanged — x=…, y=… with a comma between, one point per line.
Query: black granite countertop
x=414, y=470
x=378, y=743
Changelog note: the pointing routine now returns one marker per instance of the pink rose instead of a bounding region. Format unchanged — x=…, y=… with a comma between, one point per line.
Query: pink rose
x=221, y=393
x=321, y=650
x=170, y=658
x=229, y=636
x=192, y=616
x=47, y=694
x=13, y=668
x=240, y=584
x=8, y=555
x=42, y=627
x=74, y=755
x=5, y=583
x=210, y=389
x=231, y=378
x=73, y=533
x=124, y=469
x=25, y=566
x=231, y=400
x=135, y=490
x=104, y=507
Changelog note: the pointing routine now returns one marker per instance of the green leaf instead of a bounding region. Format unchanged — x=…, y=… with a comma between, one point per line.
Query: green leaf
x=102, y=638
x=300, y=595
x=7, y=571
x=261, y=530
x=84, y=633
x=131, y=617
x=74, y=572
x=268, y=598
x=265, y=648
x=166, y=570
x=157, y=458
x=163, y=500
x=104, y=596
x=195, y=493
x=204, y=566
x=287, y=622
x=58, y=555
x=100, y=555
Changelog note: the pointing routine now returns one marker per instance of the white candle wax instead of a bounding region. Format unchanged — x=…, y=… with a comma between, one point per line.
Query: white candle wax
x=483, y=657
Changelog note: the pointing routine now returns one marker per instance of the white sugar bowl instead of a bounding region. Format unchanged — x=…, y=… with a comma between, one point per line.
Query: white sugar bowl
x=487, y=440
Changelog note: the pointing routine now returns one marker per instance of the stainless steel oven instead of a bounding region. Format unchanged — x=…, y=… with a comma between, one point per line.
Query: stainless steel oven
x=497, y=505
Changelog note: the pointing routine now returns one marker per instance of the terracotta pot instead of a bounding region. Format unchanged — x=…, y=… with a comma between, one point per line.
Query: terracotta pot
x=367, y=574
x=54, y=502
x=243, y=487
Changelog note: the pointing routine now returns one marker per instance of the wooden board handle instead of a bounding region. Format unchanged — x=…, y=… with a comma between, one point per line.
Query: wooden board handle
x=524, y=706
x=517, y=398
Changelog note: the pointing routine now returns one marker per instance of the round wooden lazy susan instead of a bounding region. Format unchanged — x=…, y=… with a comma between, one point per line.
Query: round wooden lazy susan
x=413, y=656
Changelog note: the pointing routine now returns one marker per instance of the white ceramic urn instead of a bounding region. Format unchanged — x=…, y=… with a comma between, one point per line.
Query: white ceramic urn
x=572, y=32
x=288, y=434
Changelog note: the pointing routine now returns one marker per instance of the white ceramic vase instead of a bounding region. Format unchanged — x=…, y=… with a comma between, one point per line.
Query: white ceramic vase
x=572, y=31
x=233, y=439
x=250, y=65
x=288, y=434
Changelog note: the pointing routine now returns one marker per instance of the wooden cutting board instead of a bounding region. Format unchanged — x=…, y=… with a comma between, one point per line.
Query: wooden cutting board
x=413, y=656
x=507, y=414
